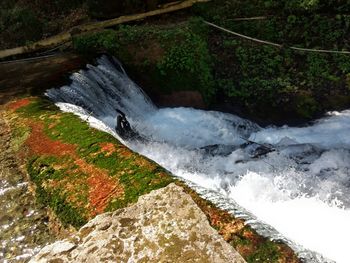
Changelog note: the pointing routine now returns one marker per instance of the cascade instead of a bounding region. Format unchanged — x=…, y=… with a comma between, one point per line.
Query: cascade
x=297, y=191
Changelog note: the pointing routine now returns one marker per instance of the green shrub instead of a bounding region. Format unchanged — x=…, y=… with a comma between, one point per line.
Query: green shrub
x=173, y=58
x=188, y=58
x=106, y=40
x=19, y=25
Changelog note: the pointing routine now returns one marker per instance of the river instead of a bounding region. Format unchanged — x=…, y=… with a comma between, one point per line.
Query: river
x=289, y=183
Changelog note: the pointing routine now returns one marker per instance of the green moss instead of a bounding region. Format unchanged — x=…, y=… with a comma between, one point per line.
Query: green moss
x=262, y=249
x=68, y=214
x=266, y=252
x=19, y=135
x=37, y=107
x=87, y=43
x=72, y=130
x=59, y=182
x=238, y=240
x=41, y=172
x=141, y=181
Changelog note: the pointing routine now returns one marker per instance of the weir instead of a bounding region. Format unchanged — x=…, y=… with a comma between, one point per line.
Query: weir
x=299, y=193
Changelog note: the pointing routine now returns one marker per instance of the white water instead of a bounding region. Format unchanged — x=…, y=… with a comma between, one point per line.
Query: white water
x=302, y=189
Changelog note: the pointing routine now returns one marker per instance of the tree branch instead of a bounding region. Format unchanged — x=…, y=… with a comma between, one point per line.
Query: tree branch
x=67, y=36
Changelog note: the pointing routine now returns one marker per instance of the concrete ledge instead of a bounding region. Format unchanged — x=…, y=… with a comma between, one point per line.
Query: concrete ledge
x=163, y=226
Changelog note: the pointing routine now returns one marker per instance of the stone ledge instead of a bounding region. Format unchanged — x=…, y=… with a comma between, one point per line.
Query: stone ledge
x=163, y=226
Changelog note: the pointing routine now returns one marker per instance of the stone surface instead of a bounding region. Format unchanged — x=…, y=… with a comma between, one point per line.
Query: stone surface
x=23, y=227
x=163, y=226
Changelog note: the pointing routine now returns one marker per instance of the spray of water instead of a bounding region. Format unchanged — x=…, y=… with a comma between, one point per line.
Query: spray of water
x=300, y=192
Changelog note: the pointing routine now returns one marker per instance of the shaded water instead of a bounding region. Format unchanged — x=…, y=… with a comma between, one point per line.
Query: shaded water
x=299, y=193
x=23, y=224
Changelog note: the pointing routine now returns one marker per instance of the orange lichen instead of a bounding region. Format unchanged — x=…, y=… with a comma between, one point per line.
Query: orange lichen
x=231, y=228
x=18, y=104
x=108, y=148
x=39, y=143
x=146, y=164
x=102, y=187
x=125, y=152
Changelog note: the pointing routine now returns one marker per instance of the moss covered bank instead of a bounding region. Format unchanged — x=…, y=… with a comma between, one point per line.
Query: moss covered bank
x=79, y=172
x=171, y=55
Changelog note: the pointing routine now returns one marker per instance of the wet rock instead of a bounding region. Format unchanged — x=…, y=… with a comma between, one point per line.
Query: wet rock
x=163, y=226
x=23, y=228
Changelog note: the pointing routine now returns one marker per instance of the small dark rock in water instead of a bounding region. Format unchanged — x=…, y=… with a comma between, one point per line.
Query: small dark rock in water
x=251, y=149
x=124, y=129
x=219, y=149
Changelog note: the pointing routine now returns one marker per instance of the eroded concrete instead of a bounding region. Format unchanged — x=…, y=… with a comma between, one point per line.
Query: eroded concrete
x=163, y=226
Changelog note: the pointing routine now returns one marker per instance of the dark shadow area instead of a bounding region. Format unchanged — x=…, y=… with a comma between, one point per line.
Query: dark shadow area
x=34, y=76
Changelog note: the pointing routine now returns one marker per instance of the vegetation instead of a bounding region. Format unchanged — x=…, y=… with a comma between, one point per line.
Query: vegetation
x=22, y=22
x=79, y=171
x=232, y=74
x=169, y=58
x=40, y=170
x=294, y=84
x=264, y=82
x=174, y=54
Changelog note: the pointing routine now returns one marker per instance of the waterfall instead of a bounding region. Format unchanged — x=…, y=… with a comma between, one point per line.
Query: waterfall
x=297, y=191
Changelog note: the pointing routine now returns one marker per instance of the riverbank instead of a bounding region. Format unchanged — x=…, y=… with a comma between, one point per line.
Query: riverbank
x=182, y=61
x=164, y=225
x=186, y=60
x=75, y=173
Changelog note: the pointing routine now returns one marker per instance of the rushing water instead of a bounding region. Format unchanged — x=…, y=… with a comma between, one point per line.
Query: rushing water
x=299, y=192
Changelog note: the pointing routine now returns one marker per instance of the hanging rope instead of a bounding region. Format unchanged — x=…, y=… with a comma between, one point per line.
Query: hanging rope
x=275, y=44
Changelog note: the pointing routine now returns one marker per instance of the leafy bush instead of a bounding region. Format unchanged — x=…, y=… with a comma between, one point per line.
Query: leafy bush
x=188, y=58
x=106, y=40
x=173, y=58
x=25, y=21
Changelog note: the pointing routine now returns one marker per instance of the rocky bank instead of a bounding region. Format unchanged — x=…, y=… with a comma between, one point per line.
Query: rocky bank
x=163, y=226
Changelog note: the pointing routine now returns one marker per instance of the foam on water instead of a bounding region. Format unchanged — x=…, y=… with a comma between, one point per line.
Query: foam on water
x=308, y=220
x=331, y=131
x=302, y=189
